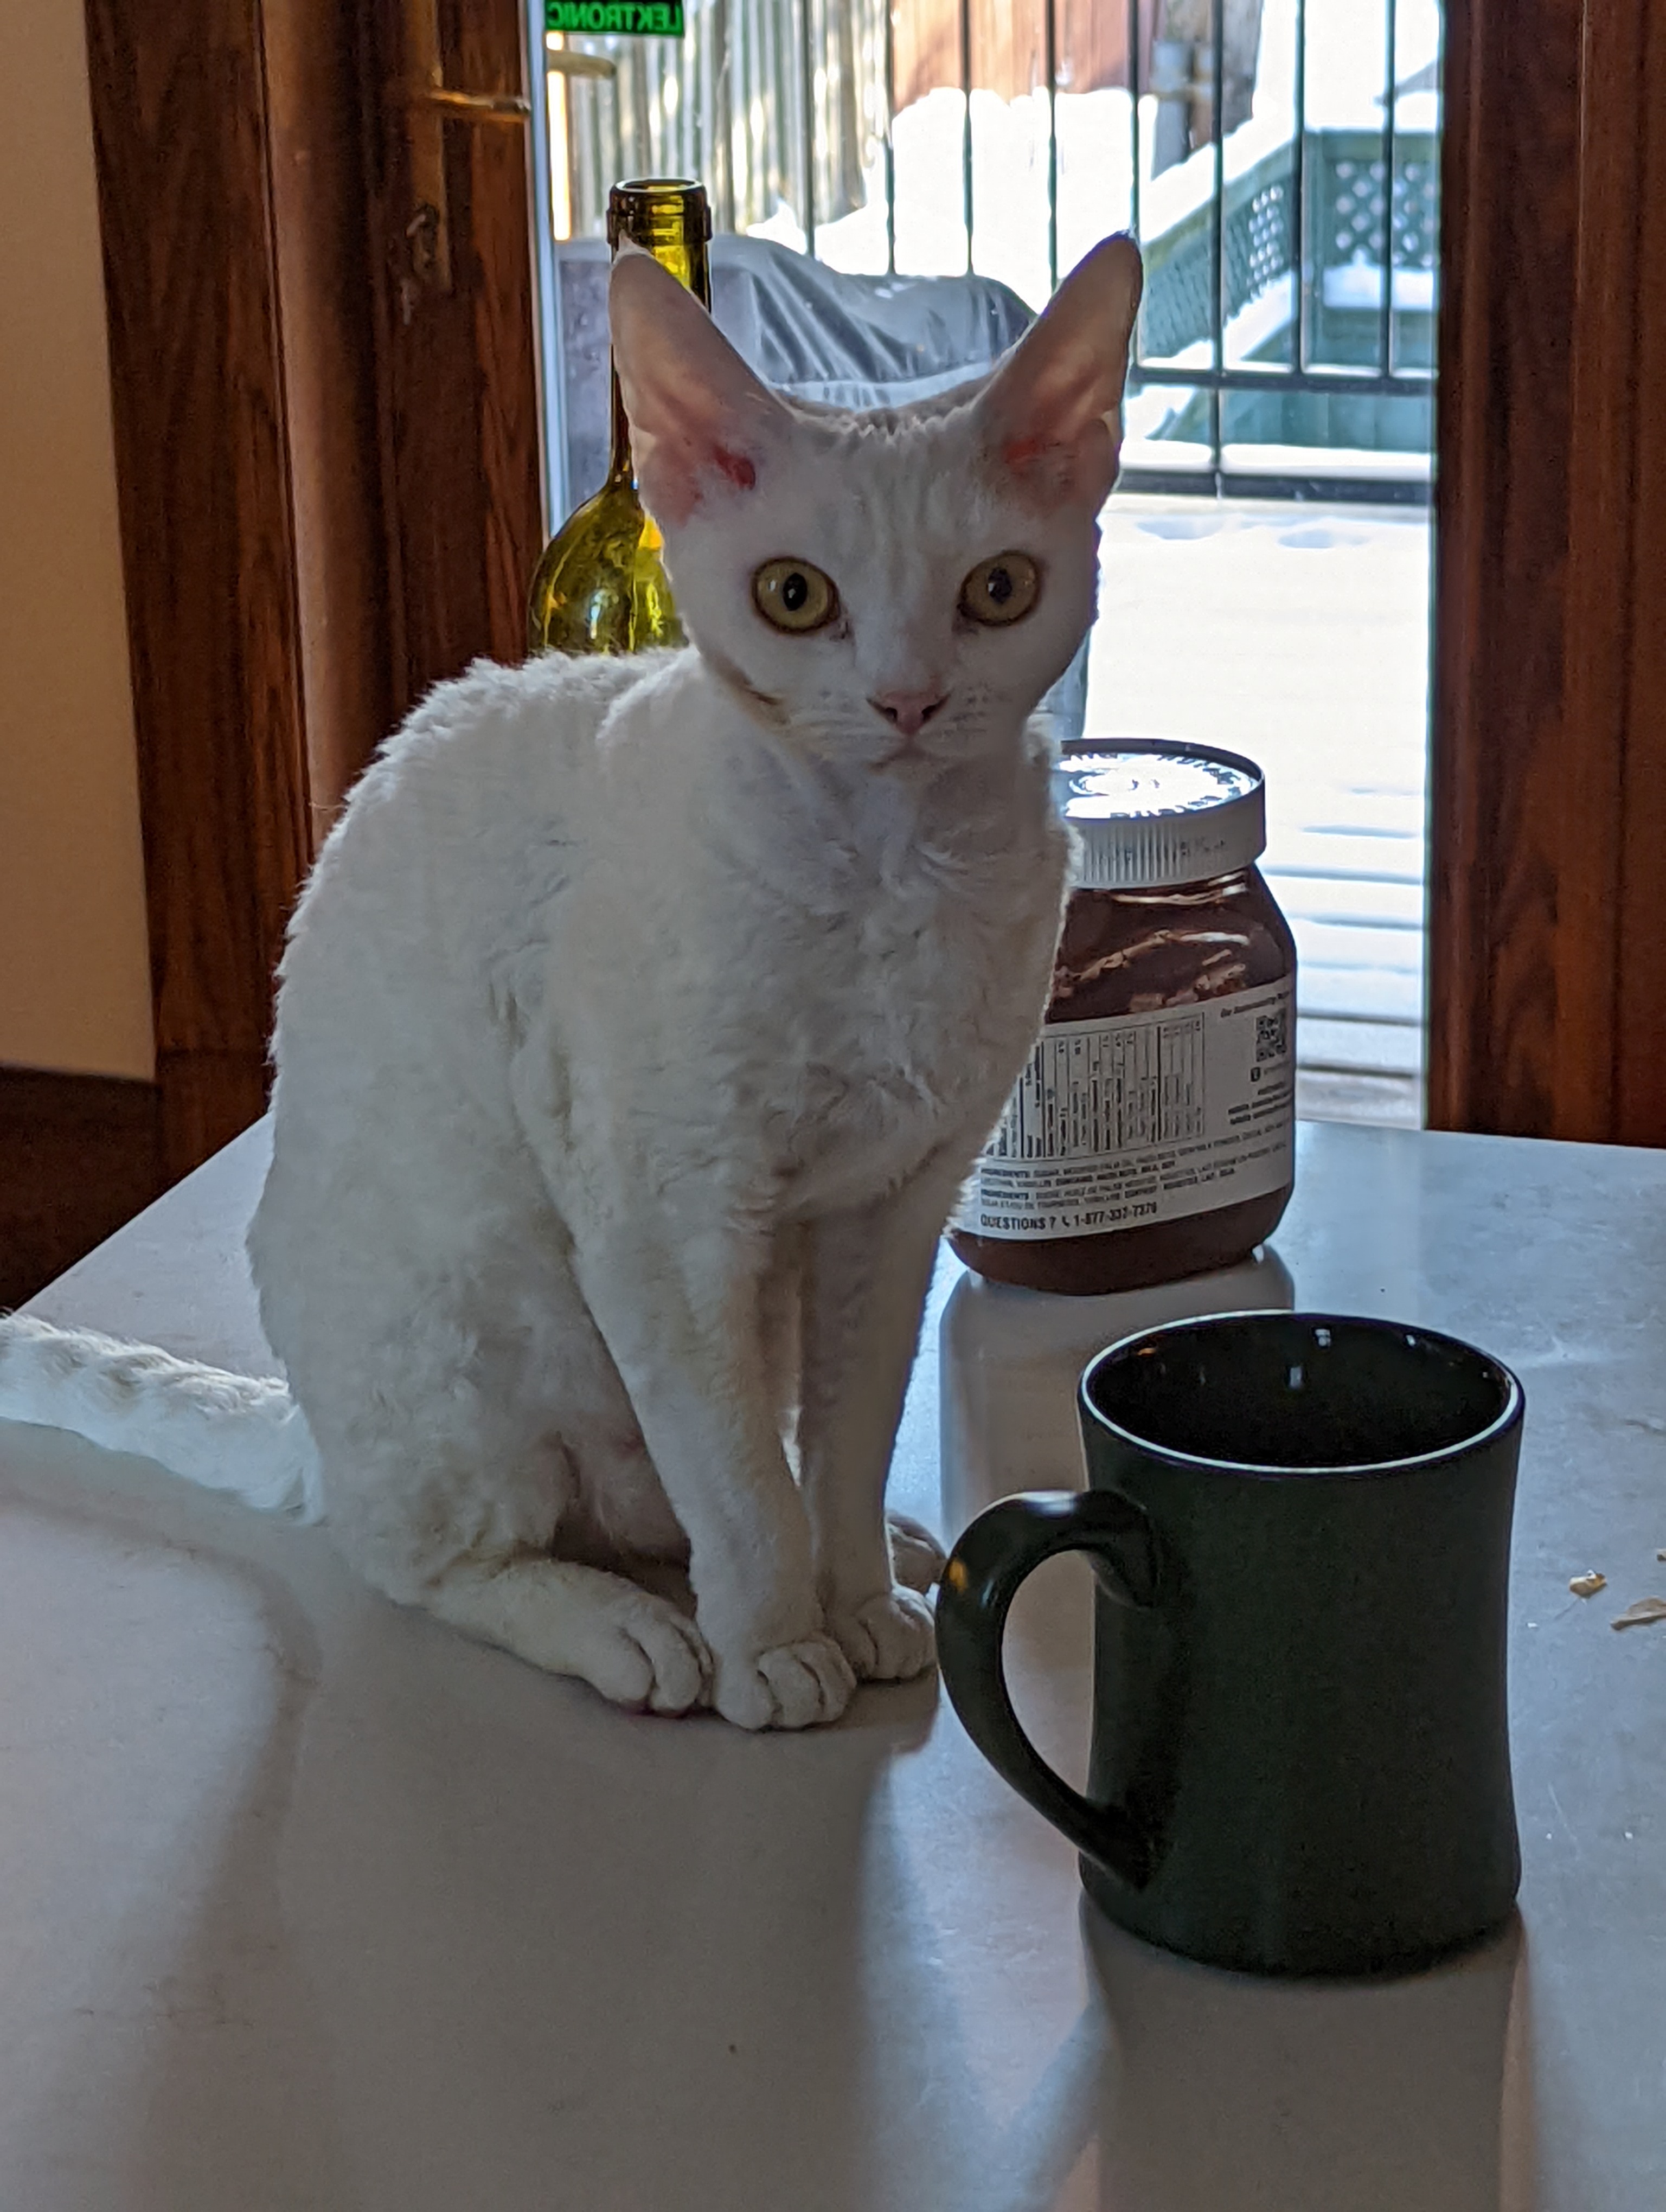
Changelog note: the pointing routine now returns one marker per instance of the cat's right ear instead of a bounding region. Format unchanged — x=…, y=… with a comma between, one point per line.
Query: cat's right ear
x=702, y=428
x=1050, y=416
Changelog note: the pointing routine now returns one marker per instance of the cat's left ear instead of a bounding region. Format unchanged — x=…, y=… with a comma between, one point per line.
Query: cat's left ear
x=702, y=426
x=1051, y=415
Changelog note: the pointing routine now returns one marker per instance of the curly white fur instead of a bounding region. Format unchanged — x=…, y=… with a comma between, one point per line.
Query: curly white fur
x=637, y=1028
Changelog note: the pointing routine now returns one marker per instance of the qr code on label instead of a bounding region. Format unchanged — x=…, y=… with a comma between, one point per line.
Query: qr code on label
x=1272, y=1036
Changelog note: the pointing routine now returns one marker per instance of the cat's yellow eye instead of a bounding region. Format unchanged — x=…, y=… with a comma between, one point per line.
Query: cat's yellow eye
x=1002, y=590
x=795, y=596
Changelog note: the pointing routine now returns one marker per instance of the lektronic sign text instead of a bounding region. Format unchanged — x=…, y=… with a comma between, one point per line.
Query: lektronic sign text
x=630, y=19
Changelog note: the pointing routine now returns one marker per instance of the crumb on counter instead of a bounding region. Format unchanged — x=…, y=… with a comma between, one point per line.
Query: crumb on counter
x=1645, y=1609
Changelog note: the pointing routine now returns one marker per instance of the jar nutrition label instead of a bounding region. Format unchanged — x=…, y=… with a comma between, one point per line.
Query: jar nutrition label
x=1147, y=1117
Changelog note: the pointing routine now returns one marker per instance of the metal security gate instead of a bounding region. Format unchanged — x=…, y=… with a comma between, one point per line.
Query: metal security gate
x=1336, y=232
x=768, y=102
x=1279, y=160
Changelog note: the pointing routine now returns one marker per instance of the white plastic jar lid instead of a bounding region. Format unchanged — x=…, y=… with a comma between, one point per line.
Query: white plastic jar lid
x=1151, y=812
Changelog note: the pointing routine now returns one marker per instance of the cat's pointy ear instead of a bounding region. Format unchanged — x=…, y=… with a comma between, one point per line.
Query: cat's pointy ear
x=1052, y=413
x=702, y=426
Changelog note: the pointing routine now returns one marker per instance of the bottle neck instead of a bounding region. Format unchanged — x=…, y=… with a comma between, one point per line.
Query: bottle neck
x=671, y=220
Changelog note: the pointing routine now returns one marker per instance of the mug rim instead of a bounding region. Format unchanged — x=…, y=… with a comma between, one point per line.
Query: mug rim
x=1509, y=1416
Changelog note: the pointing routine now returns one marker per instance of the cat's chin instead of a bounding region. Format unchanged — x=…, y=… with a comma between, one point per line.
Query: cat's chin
x=907, y=759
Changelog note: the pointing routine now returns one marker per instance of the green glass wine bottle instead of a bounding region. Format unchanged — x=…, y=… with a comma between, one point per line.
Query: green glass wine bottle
x=601, y=585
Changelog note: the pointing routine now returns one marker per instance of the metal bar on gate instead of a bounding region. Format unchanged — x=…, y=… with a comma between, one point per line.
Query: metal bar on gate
x=1133, y=128
x=1218, y=123
x=1298, y=187
x=966, y=123
x=722, y=109
x=891, y=138
x=807, y=90
x=1362, y=382
x=1236, y=483
x=1050, y=59
x=1385, y=340
x=1240, y=483
x=621, y=167
x=546, y=325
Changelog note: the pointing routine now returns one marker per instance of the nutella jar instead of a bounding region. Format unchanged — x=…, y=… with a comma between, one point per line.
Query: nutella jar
x=1152, y=1134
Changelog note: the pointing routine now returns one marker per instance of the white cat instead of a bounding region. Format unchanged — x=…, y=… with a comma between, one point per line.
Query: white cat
x=638, y=1026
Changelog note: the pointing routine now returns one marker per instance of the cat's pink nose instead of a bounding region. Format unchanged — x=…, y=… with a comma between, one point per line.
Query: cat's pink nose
x=909, y=711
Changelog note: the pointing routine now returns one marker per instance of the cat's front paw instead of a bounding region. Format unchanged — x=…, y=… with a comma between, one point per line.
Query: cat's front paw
x=887, y=1638
x=792, y=1685
x=651, y=1658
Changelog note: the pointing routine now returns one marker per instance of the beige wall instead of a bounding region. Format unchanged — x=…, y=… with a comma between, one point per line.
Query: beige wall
x=74, y=984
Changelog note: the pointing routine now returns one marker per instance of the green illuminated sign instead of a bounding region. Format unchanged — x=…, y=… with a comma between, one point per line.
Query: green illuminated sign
x=628, y=19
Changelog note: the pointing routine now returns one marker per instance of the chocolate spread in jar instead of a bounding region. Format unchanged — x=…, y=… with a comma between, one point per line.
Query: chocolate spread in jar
x=1152, y=1134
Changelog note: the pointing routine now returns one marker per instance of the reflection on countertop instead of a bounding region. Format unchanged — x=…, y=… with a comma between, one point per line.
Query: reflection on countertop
x=1010, y=1361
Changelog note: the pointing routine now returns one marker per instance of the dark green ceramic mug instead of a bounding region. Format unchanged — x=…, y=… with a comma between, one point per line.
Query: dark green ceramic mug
x=1299, y=1525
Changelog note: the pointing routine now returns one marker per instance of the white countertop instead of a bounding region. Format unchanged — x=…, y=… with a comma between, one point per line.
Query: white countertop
x=306, y=1904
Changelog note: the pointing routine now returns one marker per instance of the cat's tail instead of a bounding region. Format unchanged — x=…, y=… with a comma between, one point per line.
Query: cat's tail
x=227, y=1432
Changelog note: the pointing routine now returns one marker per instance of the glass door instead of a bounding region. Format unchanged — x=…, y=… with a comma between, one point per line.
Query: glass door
x=1265, y=562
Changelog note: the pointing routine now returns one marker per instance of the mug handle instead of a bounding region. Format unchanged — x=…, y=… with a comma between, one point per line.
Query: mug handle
x=995, y=1553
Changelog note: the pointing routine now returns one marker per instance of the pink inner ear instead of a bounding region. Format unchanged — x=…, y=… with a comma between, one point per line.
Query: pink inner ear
x=672, y=472
x=1044, y=468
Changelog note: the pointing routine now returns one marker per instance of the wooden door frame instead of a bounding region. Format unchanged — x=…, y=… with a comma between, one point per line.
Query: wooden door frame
x=458, y=390
x=330, y=483
x=296, y=455
x=207, y=518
